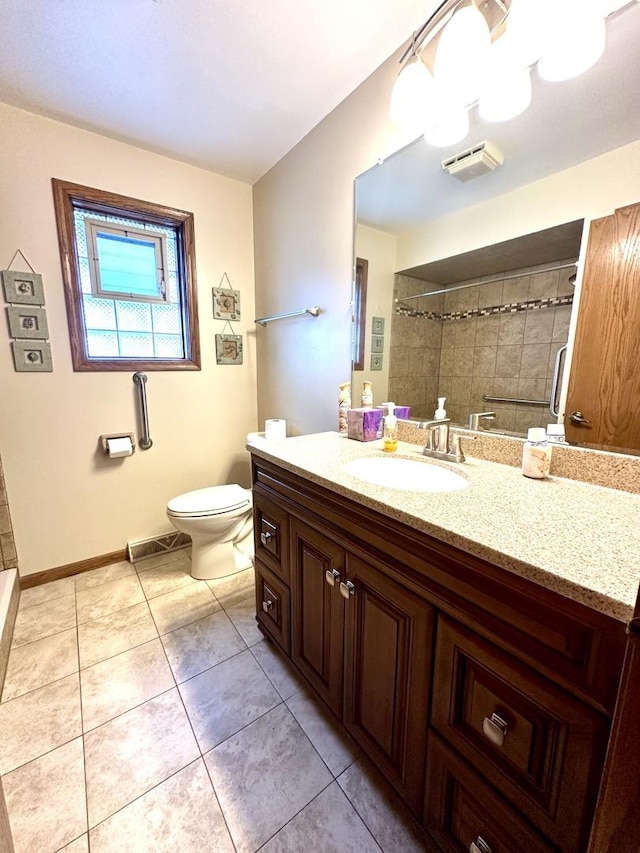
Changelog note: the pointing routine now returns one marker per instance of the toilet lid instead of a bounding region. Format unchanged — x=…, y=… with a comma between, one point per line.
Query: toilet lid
x=211, y=501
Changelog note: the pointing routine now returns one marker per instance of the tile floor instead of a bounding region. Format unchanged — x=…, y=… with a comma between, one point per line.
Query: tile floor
x=144, y=711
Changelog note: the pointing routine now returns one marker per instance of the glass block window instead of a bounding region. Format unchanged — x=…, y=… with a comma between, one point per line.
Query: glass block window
x=130, y=281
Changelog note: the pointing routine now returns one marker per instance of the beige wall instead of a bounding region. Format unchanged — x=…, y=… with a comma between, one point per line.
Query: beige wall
x=67, y=502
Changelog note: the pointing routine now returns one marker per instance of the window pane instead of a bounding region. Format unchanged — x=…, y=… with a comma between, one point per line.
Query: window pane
x=135, y=345
x=133, y=316
x=102, y=344
x=99, y=313
x=127, y=265
x=166, y=318
x=168, y=346
x=173, y=293
x=81, y=237
x=85, y=277
x=172, y=253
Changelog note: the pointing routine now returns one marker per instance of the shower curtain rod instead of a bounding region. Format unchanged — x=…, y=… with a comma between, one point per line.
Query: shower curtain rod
x=480, y=283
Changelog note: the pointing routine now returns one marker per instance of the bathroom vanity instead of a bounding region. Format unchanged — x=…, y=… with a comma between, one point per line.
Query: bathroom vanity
x=471, y=642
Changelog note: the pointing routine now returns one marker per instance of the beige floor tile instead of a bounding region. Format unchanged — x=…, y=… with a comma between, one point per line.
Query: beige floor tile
x=222, y=700
x=243, y=616
x=39, y=663
x=336, y=748
x=263, y=776
x=235, y=589
x=108, y=598
x=106, y=574
x=175, y=609
x=80, y=845
x=181, y=815
x=109, y=635
x=46, y=592
x=285, y=678
x=43, y=620
x=329, y=823
x=46, y=801
x=120, y=683
x=181, y=556
x=167, y=578
x=128, y=756
x=39, y=722
x=201, y=645
x=387, y=818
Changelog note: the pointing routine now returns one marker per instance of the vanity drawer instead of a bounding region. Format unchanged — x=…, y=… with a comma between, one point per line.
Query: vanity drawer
x=460, y=810
x=273, y=607
x=271, y=536
x=538, y=745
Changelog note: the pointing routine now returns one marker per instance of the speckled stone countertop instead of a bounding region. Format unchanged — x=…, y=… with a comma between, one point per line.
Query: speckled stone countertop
x=580, y=540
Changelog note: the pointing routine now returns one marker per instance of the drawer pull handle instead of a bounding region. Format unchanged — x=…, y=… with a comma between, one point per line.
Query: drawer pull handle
x=267, y=605
x=479, y=846
x=331, y=576
x=347, y=589
x=266, y=537
x=495, y=729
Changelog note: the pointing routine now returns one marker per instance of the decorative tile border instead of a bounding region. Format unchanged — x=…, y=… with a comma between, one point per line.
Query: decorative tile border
x=509, y=308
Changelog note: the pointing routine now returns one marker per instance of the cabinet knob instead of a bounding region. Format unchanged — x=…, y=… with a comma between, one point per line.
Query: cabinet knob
x=266, y=537
x=331, y=576
x=479, y=846
x=579, y=418
x=267, y=605
x=347, y=589
x=495, y=729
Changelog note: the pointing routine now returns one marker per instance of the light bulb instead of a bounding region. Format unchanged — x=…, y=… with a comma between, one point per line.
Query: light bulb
x=461, y=54
x=577, y=40
x=452, y=126
x=412, y=95
x=528, y=27
x=506, y=87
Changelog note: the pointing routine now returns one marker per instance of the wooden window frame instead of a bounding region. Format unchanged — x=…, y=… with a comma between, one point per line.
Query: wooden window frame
x=359, y=313
x=68, y=197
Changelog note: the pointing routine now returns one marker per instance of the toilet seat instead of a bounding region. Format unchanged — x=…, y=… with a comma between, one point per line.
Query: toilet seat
x=214, y=500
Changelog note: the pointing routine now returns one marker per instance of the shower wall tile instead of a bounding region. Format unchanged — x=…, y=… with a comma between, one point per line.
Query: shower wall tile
x=515, y=290
x=465, y=332
x=511, y=329
x=487, y=331
x=538, y=326
x=562, y=318
x=484, y=361
x=535, y=360
x=508, y=359
x=490, y=295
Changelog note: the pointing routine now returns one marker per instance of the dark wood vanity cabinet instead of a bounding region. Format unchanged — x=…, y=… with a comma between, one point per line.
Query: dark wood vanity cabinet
x=484, y=699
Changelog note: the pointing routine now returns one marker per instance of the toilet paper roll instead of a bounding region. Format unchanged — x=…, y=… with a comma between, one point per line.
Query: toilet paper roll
x=117, y=447
x=275, y=428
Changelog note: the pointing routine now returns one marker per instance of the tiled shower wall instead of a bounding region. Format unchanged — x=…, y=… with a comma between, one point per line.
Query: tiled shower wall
x=509, y=353
x=8, y=556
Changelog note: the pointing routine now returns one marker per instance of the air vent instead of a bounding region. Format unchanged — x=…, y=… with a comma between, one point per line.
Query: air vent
x=473, y=162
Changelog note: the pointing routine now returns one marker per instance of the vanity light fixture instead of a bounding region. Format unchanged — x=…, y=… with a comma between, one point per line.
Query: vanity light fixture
x=484, y=54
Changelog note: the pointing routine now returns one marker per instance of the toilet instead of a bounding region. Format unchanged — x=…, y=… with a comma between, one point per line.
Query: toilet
x=219, y=521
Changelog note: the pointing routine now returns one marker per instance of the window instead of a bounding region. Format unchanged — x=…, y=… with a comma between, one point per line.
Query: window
x=129, y=277
x=359, y=314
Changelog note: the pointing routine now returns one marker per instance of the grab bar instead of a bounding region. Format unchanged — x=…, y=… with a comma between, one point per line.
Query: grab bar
x=140, y=380
x=515, y=400
x=262, y=321
x=553, y=403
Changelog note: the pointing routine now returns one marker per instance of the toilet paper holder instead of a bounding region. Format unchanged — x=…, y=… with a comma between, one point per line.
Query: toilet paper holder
x=104, y=439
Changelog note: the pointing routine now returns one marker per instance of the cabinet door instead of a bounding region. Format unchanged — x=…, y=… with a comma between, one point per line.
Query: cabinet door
x=605, y=381
x=388, y=639
x=317, y=611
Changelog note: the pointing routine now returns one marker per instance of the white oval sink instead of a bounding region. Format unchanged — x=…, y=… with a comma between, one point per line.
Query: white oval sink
x=409, y=475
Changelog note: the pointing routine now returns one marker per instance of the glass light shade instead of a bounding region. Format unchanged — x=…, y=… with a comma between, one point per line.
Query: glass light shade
x=573, y=50
x=413, y=95
x=452, y=127
x=506, y=86
x=461, y=55
x=528, y=27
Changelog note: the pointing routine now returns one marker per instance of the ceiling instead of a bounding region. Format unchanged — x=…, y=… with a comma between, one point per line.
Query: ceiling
x=229, y=85
x=567, y=123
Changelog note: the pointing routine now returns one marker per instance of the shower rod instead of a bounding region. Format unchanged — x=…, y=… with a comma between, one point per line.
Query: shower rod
x=488, y=281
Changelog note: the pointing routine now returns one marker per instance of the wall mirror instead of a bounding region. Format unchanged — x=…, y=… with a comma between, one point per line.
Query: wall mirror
x=505, y=256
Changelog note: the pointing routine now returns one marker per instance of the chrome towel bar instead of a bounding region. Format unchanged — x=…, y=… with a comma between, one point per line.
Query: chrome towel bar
x=262, y=321
x=514, y=400
x=140, y=380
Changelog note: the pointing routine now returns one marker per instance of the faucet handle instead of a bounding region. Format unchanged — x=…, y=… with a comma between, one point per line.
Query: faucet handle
x=456, y=448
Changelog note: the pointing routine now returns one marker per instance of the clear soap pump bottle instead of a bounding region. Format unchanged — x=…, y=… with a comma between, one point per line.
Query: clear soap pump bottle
x=390, y=433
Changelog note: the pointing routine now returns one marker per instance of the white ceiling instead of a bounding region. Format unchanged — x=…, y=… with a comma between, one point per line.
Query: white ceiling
x=567, y=123
x=229, y=85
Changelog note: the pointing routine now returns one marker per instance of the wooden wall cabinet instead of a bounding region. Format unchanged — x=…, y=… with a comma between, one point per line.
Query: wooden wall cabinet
x=485, y=700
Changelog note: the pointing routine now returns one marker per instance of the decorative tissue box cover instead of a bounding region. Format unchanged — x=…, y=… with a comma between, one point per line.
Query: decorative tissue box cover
x=364, y=424
x=402, y=412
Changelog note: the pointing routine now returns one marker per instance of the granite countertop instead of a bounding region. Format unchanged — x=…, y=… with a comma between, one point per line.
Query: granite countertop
x=579, y=540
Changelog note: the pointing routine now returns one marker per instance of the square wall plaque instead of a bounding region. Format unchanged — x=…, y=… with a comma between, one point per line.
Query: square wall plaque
x=32, y=356
x=377, y=325
x=27, y=321
x=376, y=362
x=25, y=288
x=377, y=343
x=226, y=304
x=229, y=349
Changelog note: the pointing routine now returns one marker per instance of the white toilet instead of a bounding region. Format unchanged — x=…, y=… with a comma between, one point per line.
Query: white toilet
x=220, y=524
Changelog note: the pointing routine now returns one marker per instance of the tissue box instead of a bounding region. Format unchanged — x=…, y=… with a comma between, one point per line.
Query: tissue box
x=402, y=412
x=364, y=424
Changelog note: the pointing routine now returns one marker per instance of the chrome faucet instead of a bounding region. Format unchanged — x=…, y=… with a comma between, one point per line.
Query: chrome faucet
x=437, y=445
x=476, y=417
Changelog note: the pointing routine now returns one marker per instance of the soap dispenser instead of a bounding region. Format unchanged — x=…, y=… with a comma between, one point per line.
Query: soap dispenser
x=440, y=415
x=390, y=434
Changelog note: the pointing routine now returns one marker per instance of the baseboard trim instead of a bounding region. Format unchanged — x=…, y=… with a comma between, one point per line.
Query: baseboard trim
x=60, y=572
